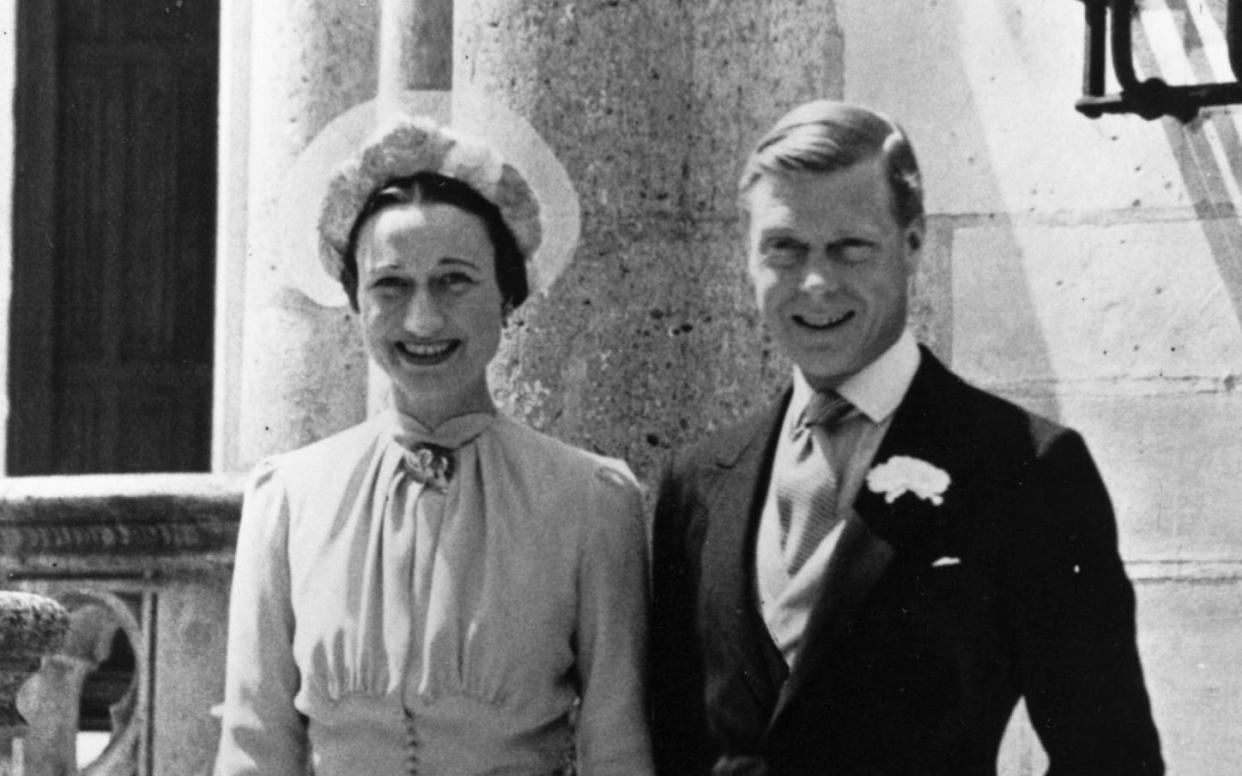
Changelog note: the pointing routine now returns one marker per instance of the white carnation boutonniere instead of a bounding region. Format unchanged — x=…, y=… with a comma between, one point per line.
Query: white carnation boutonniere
x=903, y=474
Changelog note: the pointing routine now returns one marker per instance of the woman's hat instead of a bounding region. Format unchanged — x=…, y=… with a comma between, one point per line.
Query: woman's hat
x=406, y=145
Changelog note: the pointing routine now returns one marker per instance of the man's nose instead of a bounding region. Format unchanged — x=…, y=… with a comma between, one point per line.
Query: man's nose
x=820, y=276
x=423, y=315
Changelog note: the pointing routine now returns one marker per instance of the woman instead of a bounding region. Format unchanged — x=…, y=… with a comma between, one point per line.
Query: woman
x=439, y=590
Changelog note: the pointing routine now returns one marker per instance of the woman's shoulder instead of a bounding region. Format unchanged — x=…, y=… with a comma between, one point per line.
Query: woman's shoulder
x=553, y=460
x=325, y=459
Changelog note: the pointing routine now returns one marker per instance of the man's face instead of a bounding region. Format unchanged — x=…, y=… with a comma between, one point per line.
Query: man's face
x=831, y=267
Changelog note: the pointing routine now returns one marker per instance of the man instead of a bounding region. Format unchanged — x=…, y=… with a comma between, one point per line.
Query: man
x=866, y=577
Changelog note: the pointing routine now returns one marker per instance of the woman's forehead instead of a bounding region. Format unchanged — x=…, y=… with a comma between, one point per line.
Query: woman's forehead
x=423, y=234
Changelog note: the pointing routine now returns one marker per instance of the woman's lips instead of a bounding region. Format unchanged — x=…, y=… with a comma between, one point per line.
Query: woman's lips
x=427, y=353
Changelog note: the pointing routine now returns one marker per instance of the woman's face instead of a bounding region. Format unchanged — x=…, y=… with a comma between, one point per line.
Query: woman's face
x=430, y=306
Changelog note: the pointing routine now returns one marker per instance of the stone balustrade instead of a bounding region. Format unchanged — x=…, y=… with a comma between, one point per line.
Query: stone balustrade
x=141, y=563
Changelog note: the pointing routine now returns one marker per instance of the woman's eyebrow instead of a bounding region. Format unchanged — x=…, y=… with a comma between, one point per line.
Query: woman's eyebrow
x=456, y=260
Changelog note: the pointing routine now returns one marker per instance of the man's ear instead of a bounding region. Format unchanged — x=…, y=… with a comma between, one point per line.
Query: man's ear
x=914, y=236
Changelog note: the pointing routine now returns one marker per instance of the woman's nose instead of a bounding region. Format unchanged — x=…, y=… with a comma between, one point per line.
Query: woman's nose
x=423, y=316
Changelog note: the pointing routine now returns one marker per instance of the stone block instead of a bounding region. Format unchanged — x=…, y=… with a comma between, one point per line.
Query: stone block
x=1170, y=462
x=188, y=672
x=1190, y=636
x=1128, y=305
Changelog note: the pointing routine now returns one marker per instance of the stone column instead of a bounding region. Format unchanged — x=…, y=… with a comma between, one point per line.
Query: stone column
x=416, y=47
x=415, y=55
x=303, y=369
x=649, y=339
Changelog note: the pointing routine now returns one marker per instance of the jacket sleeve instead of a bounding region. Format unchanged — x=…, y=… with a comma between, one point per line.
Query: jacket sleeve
x=262, y=732
x=1073, y=612
x=676, y=674
x=612, y=618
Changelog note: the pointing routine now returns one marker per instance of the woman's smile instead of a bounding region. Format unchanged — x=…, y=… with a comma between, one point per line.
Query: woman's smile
x=428, y=353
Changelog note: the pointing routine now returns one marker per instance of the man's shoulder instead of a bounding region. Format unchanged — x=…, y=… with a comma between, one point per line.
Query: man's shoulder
x=725, y=444
x=976, y=411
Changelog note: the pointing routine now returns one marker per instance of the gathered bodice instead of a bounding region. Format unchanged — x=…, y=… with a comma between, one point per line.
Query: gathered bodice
x=454, y=629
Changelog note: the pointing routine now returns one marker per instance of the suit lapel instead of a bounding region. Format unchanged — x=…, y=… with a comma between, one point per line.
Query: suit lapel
x=742, y=464
x=858, y=561
x=925, y=428
x=879, y=532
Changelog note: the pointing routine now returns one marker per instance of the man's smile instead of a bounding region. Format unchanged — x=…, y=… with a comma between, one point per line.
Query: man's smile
x=822, y=321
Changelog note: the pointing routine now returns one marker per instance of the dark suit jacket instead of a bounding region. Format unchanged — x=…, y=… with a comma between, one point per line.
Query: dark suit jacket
x=908, y=666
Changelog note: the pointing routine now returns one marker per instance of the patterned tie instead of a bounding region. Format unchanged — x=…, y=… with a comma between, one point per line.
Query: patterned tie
x=806, y=483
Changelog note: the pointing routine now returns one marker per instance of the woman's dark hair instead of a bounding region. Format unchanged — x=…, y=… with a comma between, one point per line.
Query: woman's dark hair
x=433, y=188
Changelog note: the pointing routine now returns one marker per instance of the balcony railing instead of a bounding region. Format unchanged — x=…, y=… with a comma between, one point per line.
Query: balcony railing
x=142, y=563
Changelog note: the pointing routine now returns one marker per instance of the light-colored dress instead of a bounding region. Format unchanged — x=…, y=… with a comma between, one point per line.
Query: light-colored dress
x=381, y=626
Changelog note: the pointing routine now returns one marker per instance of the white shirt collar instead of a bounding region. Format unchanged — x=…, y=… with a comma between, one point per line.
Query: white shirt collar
x=877, y=388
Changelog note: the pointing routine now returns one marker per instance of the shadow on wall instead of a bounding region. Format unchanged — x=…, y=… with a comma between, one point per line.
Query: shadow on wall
x=1202, y=171
x=974, y=302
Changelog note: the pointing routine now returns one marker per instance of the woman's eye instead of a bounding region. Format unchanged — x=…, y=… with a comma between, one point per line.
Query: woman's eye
x=389, y=285
x=455, y=281
x=387, y=282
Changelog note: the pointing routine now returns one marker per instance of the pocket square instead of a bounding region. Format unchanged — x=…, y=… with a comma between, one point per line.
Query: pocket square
x=947, y=560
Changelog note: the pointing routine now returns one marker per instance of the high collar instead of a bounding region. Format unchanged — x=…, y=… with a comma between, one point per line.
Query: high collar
x=452, y=433
x=876, y=389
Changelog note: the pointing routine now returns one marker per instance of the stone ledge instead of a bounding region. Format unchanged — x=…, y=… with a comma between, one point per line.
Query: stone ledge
x=139, y=525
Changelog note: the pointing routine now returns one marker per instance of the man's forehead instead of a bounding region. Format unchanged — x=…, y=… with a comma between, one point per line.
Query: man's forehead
x=785, y=187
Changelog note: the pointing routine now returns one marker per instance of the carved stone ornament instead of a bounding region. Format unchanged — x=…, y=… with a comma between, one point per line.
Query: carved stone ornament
x=31, y=626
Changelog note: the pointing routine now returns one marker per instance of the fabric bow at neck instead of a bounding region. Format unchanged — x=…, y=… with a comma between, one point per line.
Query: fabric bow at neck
x=431, y=454
x=431, y=464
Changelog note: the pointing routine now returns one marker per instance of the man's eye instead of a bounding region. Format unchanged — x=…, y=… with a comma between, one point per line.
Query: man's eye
x=782, y=252
x=856, y=251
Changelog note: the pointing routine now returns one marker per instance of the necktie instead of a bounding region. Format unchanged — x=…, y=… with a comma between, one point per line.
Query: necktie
x=806, y=483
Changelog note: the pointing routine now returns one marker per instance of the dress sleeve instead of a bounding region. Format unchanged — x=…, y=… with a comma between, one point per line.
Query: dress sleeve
x=612, y=617
x=262, y=732
x=1073, y=613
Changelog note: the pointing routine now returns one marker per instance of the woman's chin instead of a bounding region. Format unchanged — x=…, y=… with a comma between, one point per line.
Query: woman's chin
x=435, y=393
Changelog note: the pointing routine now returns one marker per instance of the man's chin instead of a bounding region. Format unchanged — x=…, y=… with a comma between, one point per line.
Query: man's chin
x=823, y=374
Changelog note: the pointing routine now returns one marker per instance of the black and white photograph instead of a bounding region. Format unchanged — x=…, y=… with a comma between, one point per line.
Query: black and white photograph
x=620, y=387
